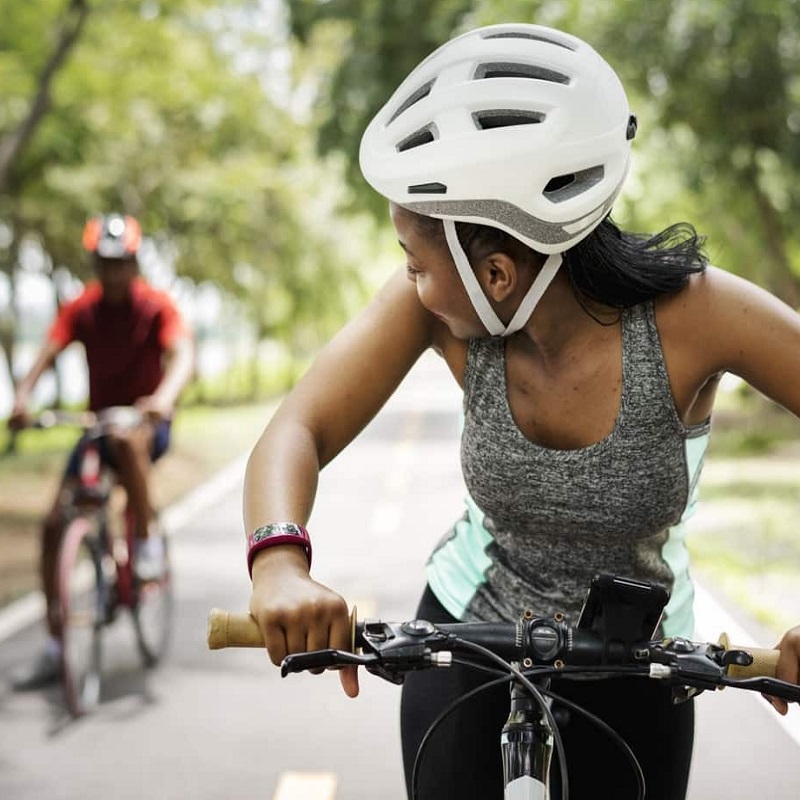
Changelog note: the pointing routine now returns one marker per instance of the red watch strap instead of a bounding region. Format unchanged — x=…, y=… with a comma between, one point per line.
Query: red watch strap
x=277, y=533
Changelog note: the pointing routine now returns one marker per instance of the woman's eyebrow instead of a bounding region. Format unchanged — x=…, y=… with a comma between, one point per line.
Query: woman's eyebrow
x=405, y=248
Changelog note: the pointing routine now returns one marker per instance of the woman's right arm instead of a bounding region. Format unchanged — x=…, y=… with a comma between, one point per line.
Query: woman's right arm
x=346, y=386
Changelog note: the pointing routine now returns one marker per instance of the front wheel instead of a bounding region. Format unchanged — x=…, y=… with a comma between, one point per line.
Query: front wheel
x=82, y=609
x=153, y=612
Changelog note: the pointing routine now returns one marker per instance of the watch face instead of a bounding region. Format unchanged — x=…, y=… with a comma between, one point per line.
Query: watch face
x=276, y=528
x=290, y=527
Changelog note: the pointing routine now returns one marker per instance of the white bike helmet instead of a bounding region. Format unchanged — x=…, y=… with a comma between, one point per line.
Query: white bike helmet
x=517, y=126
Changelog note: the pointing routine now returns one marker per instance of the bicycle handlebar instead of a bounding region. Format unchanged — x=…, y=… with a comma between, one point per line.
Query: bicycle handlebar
x=392, y=649
x=125, y=417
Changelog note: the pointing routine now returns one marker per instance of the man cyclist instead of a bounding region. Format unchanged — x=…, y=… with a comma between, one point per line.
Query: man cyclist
x=139, y=352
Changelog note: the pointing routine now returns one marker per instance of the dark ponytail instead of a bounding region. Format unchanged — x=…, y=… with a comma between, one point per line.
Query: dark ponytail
x=621, y=269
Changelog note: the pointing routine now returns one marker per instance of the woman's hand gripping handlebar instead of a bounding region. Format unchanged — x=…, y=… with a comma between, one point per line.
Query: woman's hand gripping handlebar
x=547, y=645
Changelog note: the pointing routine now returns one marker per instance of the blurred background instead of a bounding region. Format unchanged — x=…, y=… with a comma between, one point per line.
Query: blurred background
x=231, y=130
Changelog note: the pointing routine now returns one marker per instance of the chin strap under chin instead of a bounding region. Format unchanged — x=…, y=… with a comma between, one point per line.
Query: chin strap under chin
x=493, y=324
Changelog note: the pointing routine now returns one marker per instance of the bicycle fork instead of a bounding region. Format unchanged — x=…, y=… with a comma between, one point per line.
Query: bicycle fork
x=526, y=743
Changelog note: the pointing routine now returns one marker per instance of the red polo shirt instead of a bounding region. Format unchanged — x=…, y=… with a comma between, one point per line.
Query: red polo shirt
x=125, y=344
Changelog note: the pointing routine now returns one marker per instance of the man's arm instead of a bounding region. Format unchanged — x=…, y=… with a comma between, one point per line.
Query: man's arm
x=180, y=358
x=180, y=368
x=44, y=360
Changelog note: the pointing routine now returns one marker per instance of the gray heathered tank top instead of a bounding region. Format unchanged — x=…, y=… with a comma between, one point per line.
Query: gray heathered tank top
x=541, y=522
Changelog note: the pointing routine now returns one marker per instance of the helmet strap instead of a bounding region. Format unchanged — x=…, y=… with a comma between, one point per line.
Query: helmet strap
x=479, y=301
x=493, y=324
x=534, y=294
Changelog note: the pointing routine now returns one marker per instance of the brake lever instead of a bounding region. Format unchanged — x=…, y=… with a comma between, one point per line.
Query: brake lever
x=790, y=692
x=324, y=659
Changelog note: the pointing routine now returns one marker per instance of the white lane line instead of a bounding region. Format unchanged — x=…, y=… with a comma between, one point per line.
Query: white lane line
x=306, y=786
x=711, y=620
x=21, y=613
x=203, y=497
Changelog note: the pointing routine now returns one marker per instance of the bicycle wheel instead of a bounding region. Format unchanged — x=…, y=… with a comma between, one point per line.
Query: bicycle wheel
x=82, y=611
x=153, y=612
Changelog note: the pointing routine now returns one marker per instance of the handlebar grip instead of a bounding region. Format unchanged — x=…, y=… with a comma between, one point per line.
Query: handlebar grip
x=765, y=661
x=241, y=630
x=232, y=630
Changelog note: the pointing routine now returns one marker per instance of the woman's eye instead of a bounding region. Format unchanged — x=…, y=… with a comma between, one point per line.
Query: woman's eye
x=412, y=273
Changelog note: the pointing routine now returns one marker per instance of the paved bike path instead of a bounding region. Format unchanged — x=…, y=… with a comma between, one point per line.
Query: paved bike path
x=211, y=726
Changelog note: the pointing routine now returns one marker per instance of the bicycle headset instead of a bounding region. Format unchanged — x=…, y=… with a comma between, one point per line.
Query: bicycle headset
x=112, y=236
x=515, y=126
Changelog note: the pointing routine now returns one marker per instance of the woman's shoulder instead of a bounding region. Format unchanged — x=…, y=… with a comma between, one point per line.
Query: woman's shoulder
x=720, y=316
x=714, y=296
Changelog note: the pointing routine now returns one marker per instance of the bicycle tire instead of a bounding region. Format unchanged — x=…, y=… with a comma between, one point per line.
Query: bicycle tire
x=153, y=611
x=82, y=610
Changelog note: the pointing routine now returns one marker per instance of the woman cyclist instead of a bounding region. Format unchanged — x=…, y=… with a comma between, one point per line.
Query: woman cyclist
x=589, y=359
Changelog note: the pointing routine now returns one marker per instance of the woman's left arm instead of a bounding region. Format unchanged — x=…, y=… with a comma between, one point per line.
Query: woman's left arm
x=723, y=323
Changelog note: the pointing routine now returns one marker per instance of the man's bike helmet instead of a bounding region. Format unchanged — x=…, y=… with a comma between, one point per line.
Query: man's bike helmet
x=516, y=126
x=112, y=236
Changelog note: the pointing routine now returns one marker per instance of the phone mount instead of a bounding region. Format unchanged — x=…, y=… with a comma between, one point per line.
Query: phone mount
x=622, y=611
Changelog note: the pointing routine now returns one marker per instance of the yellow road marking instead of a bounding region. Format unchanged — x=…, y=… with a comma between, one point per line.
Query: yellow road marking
x=306, y=786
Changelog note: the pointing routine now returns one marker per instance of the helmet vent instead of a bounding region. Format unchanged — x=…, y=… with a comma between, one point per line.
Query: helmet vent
x=532, y=36
x=428, y=188
x=421, y=137
x=413, y=98
x=505, y=118
x=516, y=70
x=564, y=187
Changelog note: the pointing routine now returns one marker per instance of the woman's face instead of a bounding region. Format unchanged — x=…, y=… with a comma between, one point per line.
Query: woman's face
x=430, y=267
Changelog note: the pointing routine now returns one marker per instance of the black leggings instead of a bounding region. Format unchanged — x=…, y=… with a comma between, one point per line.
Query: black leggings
x=462, y=758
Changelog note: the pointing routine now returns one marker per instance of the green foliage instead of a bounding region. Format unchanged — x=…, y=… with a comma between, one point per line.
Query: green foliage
x=171, y=110
x=150, y=117
x=376, y=45
x=722, y=81
x=716, y=86
x=242, y=382
x=37, y=446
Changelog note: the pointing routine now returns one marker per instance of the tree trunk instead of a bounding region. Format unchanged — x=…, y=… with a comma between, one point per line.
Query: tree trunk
x=14, y=142
x=8, y=328
x=8, y=322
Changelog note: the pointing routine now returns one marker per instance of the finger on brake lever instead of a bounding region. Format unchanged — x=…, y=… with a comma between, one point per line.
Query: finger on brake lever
x=323, y=659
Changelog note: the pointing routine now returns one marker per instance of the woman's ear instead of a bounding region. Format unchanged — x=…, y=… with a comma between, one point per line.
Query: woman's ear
x=497, y=274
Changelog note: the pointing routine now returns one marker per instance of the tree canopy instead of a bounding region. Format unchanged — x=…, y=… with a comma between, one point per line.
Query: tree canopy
x=171, y=110
x=232, y=131
x=716, y=85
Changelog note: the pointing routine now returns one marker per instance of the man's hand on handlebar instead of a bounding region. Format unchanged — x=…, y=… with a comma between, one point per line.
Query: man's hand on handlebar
x=295, y=613
x=19, y=417
x=154, y=409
